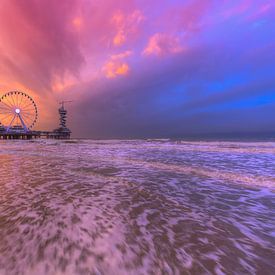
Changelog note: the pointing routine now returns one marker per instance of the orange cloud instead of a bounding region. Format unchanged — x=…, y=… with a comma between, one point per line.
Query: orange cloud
x=77, y=22
x=59, y=84
x=161, y=44
x=119, y=38
x=123, y=69
x=125, y=25
x=116, y=65
x=113, y=69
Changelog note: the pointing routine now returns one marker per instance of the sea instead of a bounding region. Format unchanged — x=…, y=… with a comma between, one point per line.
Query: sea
x=137, y=207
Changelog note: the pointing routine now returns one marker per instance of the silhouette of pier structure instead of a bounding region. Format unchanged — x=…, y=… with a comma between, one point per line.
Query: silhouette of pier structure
x=18, y=114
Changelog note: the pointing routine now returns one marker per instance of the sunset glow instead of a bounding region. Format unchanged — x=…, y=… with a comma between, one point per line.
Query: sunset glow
x=143, y=68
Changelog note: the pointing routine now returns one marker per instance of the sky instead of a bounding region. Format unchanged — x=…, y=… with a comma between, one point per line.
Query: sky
x=143, y=69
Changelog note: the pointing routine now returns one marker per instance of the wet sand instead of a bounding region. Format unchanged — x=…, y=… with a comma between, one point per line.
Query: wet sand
x=137, y=207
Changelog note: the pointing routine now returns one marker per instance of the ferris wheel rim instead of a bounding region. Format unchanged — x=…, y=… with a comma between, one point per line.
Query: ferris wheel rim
x=13, y=106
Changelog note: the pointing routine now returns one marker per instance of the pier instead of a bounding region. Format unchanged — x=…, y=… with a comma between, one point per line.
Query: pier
x=35, y=135
x=18, y=115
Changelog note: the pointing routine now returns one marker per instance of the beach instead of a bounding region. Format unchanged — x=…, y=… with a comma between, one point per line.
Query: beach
x=137, y=207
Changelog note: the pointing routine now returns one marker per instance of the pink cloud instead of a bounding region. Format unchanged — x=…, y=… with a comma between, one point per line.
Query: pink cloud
x=126, y=25
x=53, y=48
x=163, y=44
x=36, y=40
x=121, y=55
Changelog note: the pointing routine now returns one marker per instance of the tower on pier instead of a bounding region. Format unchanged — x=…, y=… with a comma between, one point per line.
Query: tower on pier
x=63, y=131
x=62, y=116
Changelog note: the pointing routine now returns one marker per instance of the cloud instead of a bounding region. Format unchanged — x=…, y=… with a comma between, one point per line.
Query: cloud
x=119, y=38
x=117, y=65
x=217, y=56
x=126, y=25
x=114, y=68
x=122, y=55
x=77, y=23
x=202, y=92
x=36, y=39
x=163, y=44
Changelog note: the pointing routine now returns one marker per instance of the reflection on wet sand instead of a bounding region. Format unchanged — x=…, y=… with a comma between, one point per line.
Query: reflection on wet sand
x=137, y=207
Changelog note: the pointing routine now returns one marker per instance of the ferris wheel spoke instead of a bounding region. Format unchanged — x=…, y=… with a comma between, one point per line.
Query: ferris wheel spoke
x=17, y=98
x=29, y=114
x=21, y=100
x=29, y=109
x=25, y=102
x=7, y=119
x=28, y=117
x=6, y=116
x=12, y=121
x=5, y=110
x=13, y=100
x=5, y=113
x=9, y=106
x=5, y=105
x=2, y=116
x=29, y=104
x=27, y=121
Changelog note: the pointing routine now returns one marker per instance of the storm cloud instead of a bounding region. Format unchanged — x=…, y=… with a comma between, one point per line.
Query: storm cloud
x=139, y=69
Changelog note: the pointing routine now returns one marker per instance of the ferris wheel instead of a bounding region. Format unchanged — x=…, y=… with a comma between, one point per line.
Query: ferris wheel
x=17, y=111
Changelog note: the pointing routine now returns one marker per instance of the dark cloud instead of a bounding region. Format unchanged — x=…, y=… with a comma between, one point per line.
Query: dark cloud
x=171, y=98
x=37, y=41
x=144, y=68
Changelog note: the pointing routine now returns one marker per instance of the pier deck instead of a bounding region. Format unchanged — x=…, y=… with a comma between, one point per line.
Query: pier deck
x=34, y=135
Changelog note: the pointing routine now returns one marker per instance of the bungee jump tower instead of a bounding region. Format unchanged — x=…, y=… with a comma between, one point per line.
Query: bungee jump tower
x=62, y=132
x=18, y=115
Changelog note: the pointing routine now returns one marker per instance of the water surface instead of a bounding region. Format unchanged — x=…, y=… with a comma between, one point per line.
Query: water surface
x=137, y=207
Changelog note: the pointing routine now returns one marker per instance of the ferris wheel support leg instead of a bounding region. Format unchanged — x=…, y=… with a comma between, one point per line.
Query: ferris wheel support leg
x=11, y=123
x=23, y=124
